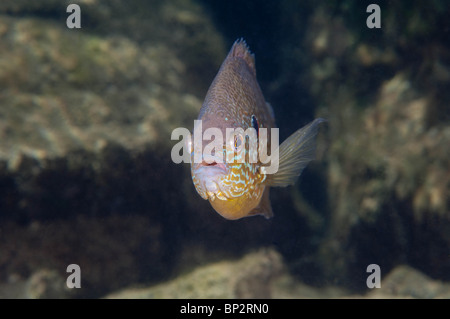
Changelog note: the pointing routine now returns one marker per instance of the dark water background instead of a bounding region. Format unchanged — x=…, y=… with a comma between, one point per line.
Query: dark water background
x=85, y=122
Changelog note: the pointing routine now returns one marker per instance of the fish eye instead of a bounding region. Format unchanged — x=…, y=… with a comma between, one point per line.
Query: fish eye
x=255, y=124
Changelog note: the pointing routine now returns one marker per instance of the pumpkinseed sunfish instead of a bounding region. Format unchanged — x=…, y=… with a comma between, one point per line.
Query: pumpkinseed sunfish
x=234, y=100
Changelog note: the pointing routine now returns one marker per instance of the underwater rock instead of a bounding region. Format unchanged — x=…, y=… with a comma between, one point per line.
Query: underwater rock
x=67, y=91
x=104, y=249
x=71, y=89
x=402, y=282
x=263, y=274
x=85, y=123
x=248, y=277
x=43, y=284
x=387, y=156
x=406, y=282
x=289, y=287
x=47, y=284
x=71, y=96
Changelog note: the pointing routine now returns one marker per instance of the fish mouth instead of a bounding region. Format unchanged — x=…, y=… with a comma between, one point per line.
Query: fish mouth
x=219, y=167
x=207, y=177
x=213, y=163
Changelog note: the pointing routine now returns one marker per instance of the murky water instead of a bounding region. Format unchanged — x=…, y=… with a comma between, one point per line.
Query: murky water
x=91, y=93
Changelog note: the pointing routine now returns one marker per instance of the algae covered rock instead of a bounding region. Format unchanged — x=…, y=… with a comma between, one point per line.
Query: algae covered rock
x=263, y=274
x=406, y=282
x=67, y=89
x=70, y=96
x=103, y=248
x=389, y=127
x=42, y=284
x=248, y=277
x=85, y=122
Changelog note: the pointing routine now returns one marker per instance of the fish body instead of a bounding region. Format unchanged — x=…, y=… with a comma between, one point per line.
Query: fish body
x=240, y=188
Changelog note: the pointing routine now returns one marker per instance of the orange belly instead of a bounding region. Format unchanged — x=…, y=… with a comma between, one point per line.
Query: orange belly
x=238, y=207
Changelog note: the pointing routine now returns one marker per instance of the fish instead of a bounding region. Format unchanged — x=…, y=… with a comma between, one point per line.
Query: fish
x=240, y=188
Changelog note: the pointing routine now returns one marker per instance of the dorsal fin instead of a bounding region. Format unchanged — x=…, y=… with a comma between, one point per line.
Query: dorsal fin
x=240, y=49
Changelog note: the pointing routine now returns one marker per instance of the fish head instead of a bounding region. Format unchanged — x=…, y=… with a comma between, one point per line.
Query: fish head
x=228, y=178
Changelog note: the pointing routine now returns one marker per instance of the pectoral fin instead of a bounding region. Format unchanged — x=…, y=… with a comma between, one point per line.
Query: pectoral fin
x=294, y=154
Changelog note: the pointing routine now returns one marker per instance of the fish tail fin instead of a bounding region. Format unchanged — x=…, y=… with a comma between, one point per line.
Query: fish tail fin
x=241, y=50
x=294, y=154
x=264, y=208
